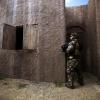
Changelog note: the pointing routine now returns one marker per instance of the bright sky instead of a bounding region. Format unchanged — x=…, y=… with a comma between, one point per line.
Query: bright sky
x=75, y=2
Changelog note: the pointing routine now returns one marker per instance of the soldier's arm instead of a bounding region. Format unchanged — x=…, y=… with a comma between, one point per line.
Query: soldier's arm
x=64, y=47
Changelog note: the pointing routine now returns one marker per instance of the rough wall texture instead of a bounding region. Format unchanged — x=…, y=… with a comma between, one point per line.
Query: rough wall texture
x=76, y=22
x=44, y=28
x=97, y=6
x=1, y=34
x=26, y=12
x=9, y=12
x=19, y=64
x=3, y=8
x=91, y=37
x=52, y=31
x=89, y=18
x=30, y=36
x=44, y=33
x=76, y=16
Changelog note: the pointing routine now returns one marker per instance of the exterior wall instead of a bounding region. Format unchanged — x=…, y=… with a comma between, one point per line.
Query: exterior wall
x=91, y=37
x=52, y=29
x=9, y=12
x=1, y=34
x=44, y=28
x=76, y=21
x=26, y=12
x=97, y=6
x=3, y=9
x=76, y=16
x=89, y=18
x=44, y=32
x=19, y=64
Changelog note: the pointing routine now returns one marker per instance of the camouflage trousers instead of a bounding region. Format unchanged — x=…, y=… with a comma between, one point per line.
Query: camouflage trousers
x=73, y=73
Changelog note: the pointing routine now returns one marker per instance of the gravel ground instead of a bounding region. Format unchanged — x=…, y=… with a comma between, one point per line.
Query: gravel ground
x=15, y=89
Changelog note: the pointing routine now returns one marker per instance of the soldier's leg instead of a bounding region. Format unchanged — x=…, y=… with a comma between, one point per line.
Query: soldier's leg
x=66, y=79
x=70, y=78
x=79, y=76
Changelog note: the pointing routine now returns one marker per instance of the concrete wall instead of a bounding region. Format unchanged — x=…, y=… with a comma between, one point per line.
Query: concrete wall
x=44, y=33
x=9, y=12
x=26, y=11
x=91, y=37
x=52, y=36
x=3, y=8
x=76, y=16
x=19, y=64
x=97, y=6
x=76, y=21
x=89, y=18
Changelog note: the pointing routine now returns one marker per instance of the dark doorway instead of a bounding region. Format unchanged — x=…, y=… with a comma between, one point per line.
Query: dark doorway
x=19, y=37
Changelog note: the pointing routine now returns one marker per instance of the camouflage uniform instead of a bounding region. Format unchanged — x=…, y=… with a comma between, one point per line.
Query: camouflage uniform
x=72, y=68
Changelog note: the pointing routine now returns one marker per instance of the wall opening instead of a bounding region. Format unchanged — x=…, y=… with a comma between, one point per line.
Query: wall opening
x=19, y=37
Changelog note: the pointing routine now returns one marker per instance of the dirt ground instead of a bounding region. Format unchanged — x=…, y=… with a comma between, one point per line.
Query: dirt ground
x=17, y=89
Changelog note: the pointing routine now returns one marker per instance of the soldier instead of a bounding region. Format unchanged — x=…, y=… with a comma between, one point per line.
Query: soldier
x=72, y=51
x=64, y=47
